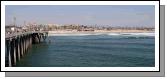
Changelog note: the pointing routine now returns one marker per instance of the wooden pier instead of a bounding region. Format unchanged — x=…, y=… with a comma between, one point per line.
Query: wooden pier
x=17, y=44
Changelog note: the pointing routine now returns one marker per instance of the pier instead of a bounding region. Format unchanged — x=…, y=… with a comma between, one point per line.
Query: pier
x=17, y=45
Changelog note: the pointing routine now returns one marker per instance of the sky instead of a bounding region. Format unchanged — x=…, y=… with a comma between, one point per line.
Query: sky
x=113, y=15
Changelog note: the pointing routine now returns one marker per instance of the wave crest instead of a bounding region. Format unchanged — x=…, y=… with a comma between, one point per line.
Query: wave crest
x=111, y=34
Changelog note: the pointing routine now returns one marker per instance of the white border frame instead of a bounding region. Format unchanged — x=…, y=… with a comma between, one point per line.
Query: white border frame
x=156, y=3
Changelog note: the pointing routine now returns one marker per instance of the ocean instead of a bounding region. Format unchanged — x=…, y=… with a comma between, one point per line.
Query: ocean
x=92, y=50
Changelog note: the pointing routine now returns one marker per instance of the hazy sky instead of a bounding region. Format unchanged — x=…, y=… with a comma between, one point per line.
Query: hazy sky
x=115, y=15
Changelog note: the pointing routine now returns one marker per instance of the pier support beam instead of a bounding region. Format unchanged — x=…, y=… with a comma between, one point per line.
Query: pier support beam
x=13, y=53
x=8, y=60
x=24, y=42
x=18, y=48
x=21, y=46
x=30, y=41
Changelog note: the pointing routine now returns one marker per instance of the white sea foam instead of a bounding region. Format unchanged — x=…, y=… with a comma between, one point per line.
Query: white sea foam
x=139, y=34
x=114, y=34
x=77, y=34
x=111, y=34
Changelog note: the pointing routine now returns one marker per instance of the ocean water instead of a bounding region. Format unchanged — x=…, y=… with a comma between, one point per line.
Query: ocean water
x=99, y=50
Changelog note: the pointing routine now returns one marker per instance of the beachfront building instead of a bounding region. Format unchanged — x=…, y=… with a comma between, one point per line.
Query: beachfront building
x=11, y=29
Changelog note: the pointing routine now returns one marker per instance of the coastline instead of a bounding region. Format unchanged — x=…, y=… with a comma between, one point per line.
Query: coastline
x=98, y=32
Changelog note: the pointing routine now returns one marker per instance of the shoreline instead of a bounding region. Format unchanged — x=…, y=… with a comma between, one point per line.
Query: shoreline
x=99, y=32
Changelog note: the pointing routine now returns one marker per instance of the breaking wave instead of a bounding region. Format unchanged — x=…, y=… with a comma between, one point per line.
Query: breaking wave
x=111, y=34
